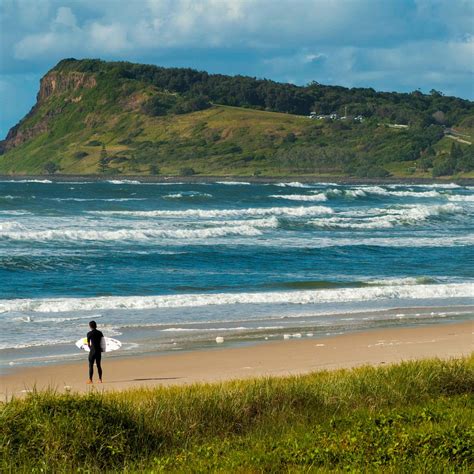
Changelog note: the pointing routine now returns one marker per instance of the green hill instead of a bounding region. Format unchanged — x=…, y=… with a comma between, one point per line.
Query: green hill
x=96, y=117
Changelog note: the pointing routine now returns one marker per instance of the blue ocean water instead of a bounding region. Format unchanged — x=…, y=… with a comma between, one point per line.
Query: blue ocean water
x=169, y=266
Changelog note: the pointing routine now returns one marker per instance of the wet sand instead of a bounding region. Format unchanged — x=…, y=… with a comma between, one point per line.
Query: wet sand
x=276, y=358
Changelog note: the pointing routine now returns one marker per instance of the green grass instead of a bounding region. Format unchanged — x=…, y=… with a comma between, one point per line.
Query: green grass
x=411, y=417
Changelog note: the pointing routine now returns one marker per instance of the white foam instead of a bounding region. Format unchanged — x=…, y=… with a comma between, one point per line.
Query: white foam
x=10, y=197
x=96, y=199
x=411, y=292
x=374, y=190
x=350, y=192
x=192, y=194
x=459, y=197
x=128, y=234
x=123, y=181
x=394, y=242
x=434, y=185
x=41, y=181
x=402, y=281
x=233, y=183
x=405, y=215
x=300, y=197
x=26, y=345
x=217, y=213
x=15, y=213
x=294, y=184
x=59, y=320
x=379, y=191
x=9, y=225
x=418, y=194
x=345, y=223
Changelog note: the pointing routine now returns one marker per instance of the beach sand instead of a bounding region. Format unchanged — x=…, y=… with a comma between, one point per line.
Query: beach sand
x=276, y=358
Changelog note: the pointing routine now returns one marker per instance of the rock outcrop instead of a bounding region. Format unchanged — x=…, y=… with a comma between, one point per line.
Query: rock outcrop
x=54, y=83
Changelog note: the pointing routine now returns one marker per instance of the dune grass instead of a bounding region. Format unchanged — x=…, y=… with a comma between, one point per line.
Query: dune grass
x=411, y=417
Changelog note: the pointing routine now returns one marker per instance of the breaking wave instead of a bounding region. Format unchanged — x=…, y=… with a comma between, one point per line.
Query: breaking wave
x=96, y=199
x=130, y=234
x=409, y=215
x=123, y=181
x=384, y=292
x=403, y=281
x=41, y=181
x=294, y=184
x=233, y=183
x=462, y=198
x=301, y=197
x=39, y=320
x=216, y=213
x=189, y=195
x=379, y=191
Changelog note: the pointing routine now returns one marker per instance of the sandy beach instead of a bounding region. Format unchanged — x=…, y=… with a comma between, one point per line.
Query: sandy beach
x=280, y=358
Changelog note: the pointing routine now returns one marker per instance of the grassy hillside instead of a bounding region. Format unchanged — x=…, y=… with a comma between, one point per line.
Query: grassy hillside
x=99, y=118
x=412, y=417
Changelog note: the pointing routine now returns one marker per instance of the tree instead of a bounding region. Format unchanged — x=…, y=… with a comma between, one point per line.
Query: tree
x=154, y=170
x=444, y=165
x=51, y=167
x=187, y=171
x=465, y=163
x=133, y=164
x=455, y=151
x=425, y=162
x=103, y=160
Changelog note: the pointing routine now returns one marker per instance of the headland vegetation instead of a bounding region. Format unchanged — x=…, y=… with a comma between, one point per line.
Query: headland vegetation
x=117, y=118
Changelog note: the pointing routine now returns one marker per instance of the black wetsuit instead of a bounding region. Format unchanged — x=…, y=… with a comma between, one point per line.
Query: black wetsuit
x=93, y=339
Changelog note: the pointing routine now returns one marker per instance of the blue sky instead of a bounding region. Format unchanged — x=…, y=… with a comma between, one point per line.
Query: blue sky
x=393, y=45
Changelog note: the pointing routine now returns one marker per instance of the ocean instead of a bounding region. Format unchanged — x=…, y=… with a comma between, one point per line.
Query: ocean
x=171, y=266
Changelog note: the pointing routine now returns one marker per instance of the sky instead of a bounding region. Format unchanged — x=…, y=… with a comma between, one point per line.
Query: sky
x=390, y=45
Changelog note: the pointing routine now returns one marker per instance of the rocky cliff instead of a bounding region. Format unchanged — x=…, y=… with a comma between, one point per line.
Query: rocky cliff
x=67, y=87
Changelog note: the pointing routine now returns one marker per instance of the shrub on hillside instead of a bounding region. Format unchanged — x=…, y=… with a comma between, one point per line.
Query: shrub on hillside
x=187, y=171
x=51, y=167
x=80, y=154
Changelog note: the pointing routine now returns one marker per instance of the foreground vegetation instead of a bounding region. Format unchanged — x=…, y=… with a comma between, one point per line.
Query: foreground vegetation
x=96, y=117
x=412, y=417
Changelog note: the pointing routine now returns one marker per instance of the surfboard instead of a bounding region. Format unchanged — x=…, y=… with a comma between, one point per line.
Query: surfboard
x=107, y=344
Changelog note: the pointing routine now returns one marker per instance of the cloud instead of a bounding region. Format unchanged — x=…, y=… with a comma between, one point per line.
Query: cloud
x=65, y=17
x=389, y=44
x=263, y=24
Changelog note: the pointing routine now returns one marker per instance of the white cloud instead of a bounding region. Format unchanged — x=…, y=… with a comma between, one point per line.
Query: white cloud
x=255, y=24
x=65, y=17
x=106, y=38
x=386, y=44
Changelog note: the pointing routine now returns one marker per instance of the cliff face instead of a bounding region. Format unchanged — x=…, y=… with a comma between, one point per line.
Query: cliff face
x=55, y=83
x=52, y=84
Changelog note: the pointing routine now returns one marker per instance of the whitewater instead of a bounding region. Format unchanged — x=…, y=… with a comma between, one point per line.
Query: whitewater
x=170, y=266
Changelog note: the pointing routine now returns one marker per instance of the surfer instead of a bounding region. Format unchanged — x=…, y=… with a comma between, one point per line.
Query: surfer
x=94, y=338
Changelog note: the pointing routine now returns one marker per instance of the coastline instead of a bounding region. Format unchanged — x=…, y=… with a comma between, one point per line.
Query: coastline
x=249, y=179
x=276, y=358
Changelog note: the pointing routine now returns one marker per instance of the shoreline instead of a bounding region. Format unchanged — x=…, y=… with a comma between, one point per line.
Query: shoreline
x=274, y=358
x=249, y=179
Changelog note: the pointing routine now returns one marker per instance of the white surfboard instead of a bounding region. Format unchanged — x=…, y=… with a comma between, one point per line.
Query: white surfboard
x=107, y=344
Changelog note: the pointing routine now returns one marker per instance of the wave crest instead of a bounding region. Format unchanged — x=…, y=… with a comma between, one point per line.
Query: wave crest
x=301, y=197
x=432, y=291
x=216, y=213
